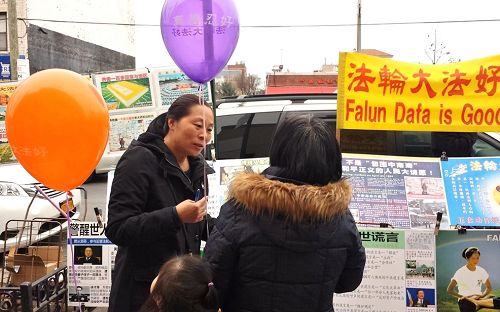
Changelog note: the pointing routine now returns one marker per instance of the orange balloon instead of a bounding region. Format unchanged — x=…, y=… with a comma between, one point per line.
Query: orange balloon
x=57, y=125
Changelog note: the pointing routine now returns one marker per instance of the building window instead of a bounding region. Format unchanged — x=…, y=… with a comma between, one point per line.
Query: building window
x=3, y=31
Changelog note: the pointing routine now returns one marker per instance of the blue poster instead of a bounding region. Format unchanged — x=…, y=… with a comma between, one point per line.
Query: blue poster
x=472, y=187
x=4, y=66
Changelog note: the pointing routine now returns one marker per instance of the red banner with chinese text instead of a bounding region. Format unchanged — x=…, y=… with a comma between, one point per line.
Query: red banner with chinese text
x=383, y=94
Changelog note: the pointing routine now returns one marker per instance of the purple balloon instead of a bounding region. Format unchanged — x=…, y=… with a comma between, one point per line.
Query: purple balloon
x=200, y=35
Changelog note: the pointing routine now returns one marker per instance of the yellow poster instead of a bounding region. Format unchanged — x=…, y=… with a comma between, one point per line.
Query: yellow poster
x=383, y=94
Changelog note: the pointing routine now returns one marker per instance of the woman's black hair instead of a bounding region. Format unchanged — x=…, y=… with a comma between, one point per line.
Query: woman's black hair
x=182, y=106
x=468, y=252
x=304, y=148
x=184, y=284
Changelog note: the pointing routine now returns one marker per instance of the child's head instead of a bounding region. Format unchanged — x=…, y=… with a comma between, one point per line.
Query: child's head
x=183, y=284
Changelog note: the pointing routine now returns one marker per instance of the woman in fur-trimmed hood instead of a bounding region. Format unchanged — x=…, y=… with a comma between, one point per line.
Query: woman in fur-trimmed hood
x=286, y=241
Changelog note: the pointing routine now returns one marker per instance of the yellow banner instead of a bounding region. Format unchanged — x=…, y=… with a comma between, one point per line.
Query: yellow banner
x=383, y=94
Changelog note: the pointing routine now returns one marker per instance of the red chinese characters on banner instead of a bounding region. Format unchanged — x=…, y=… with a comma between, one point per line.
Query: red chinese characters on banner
x=483, y=79
x=395, y=80
x=422, y=81
x=362, y=79
x=456, y=83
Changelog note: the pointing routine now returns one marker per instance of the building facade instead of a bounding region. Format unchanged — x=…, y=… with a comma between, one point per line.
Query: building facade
x=69, y=34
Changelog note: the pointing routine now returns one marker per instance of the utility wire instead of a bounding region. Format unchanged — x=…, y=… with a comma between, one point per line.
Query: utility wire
x=273, y=26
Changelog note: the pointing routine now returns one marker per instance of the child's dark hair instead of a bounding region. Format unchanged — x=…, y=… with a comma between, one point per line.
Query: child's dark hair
x=183, y=284
x=468, y=252
x=182, y=105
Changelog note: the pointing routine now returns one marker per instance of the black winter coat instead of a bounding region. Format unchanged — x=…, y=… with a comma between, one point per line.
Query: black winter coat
x=283, y=247
x=143, y=221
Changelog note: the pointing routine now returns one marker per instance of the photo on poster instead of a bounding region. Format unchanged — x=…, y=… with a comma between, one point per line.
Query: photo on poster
x=420, y=297
x=6, y=154
x=227, y=173
x=466, y=277
x=78, y=293
x=425, y=198
x=172, y=83
x=88, y=255
x=420, y=269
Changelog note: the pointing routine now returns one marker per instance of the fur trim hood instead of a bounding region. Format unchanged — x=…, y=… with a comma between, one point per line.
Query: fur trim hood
x=297, y=203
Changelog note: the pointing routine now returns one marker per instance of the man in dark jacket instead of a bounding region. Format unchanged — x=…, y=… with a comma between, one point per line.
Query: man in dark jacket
x=88, y=257
x=143, y=219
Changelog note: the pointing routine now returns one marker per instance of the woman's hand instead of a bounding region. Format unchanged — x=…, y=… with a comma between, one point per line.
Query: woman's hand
x=190, y=211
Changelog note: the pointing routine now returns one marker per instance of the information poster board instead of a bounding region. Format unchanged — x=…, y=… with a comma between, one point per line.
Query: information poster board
x=405, y=192
x=6, y=90
x=125, y=128
x=125, y=91
x=473, y=190
x=170, y=84
x=450, y=245
x=402, y=191
x=399, y=273
x=90, y=262
x=225, y=171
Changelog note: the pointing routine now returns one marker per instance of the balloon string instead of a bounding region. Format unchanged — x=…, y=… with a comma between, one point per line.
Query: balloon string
x=200, y=95
x=68, y=235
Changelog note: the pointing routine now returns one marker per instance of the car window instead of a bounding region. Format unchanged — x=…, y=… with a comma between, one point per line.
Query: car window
x=260, y=135
x=230, y=132
x=329, y=116
x=482, y=148
x=413, y=143
x=368, y=142
x=245, y=135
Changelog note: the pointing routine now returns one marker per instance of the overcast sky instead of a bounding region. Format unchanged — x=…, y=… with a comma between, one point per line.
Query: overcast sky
x=304, y=49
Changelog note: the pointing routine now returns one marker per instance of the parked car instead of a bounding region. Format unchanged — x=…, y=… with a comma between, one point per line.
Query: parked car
x=246, y=124
x=17, y=190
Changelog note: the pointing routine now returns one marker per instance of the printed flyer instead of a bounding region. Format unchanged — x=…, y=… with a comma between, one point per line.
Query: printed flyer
x=125, y=128
x=473, y=190
x=467, y=261
x=90, y=262
x=399, y=273
x=405, y=192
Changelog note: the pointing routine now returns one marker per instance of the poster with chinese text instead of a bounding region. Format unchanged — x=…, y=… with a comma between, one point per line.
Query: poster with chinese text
x=399, y=274
x=458, y=275
x=405, y=192
x=91, y=257
x=377, y=93
x=473, y=190
x=125, y=128
x=125, y=90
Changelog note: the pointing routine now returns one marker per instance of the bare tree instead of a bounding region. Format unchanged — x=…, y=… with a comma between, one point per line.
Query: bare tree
x=436, y=50
x=250, y=85
x=224, y=89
